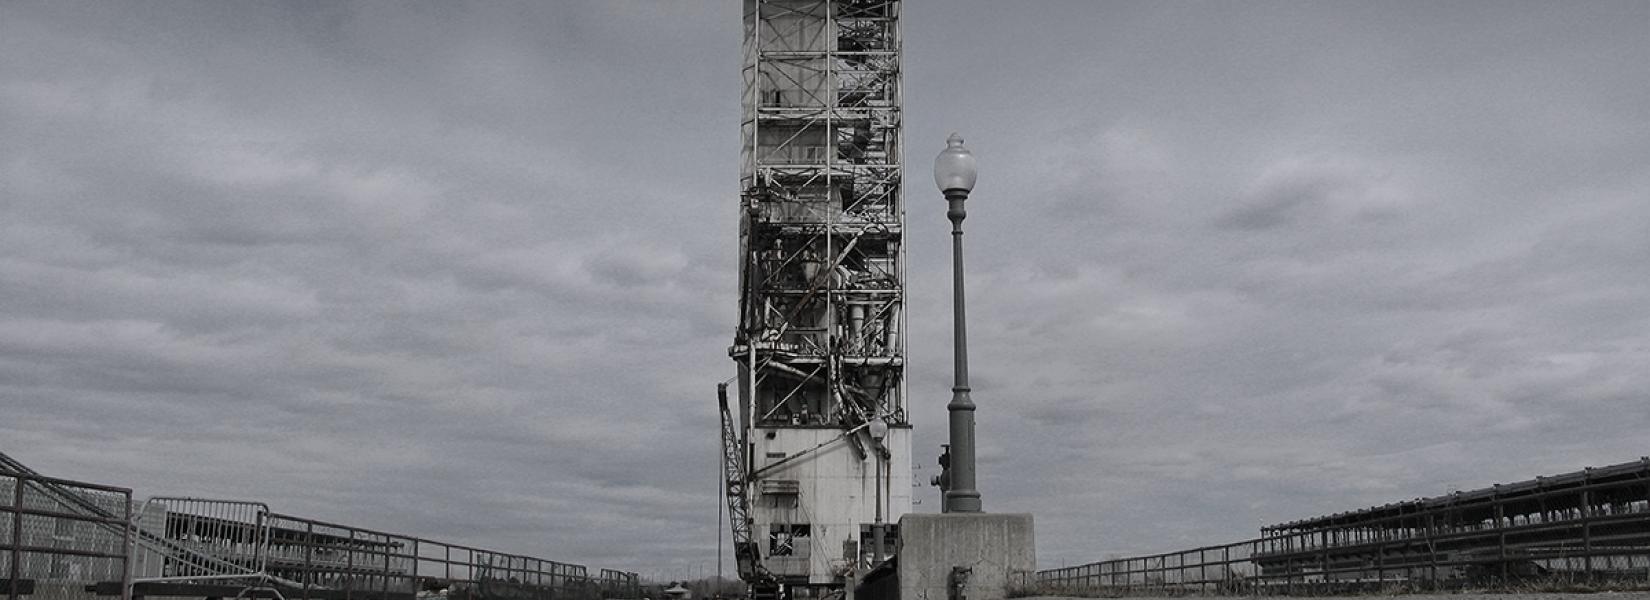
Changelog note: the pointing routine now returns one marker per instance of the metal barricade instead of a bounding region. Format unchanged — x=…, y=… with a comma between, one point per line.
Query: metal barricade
x=200, y=540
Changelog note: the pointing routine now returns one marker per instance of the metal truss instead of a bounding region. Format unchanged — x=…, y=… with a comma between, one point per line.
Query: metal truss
x=822, y=276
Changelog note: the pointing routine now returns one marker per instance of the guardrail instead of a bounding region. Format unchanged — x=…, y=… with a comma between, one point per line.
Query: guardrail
x=1587, y=528
x=58, y=535
x=328, y=561
x=70, y=540
x=1210, y=570
x=1553, y=554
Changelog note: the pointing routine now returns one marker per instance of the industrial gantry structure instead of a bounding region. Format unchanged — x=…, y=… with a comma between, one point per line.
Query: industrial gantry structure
x=817, y=452
x=1585, y=528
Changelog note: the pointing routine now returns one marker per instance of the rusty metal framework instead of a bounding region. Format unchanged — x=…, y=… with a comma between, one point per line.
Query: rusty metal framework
x=1584, y=528
x=821, y=274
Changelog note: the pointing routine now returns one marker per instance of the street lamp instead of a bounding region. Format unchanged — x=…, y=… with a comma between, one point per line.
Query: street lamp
x=879, y=432
x=954, y=173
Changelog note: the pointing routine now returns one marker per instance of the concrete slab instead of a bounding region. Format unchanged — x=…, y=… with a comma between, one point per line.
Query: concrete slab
x=998, y=549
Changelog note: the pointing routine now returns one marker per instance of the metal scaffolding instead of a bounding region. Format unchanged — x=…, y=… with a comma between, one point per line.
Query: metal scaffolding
x=1584, y=526
x=819, y=347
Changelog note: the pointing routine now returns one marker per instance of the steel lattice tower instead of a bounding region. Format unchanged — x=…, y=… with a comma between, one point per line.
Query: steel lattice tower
x=819, y=347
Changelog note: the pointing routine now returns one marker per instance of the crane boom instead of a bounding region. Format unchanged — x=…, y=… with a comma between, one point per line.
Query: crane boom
x=746, y=553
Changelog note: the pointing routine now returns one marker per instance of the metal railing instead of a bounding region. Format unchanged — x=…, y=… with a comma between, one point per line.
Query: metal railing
x=1585, y=550
x=329, y=561
x=58, y=535
x=71, y=540
x=1586, y=529
x=1210, y=570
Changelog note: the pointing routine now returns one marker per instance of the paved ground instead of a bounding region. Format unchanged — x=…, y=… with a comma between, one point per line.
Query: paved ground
x=1596, y=596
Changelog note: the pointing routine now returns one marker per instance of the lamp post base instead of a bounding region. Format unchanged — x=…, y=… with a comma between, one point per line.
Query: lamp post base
x=962, y=501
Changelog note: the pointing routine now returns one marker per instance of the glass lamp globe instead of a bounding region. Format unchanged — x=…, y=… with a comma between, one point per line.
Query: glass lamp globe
x=954, y=168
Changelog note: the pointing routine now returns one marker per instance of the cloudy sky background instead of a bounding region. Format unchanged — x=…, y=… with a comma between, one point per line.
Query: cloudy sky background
x=467, y=270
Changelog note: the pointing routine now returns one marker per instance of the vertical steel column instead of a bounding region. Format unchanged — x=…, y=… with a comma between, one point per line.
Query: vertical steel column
x=1324, y=542
x=16, y=536
x=1432, y=549
x=1587, y=529
x=384, y=580
x=127, y=526
x=1501, y=534
x=1647, y=508
x=1289, y=574
x=1380, y=557
x=833, y=286
x=309, y=558
x=349, y=567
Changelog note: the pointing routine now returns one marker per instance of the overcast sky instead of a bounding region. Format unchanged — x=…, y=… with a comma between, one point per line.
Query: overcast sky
x=468, y=270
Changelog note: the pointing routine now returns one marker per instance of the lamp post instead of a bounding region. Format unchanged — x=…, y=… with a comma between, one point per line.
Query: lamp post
x=954, y=173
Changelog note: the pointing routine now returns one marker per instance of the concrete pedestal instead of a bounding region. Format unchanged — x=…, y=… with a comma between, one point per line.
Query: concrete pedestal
x=998, y=549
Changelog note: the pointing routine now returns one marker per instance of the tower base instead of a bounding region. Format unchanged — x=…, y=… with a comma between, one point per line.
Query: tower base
x=965, y=556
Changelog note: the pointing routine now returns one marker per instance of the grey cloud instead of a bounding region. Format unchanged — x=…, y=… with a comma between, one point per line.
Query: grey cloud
x=1230, y=264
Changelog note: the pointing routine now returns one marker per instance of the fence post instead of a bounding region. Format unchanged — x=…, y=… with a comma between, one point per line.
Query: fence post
x=16, y=536
x=1226, y=566
x=126, y=552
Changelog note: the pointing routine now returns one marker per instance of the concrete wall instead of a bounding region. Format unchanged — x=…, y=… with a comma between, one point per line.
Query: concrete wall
x=999, y=548
x=837, y=495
